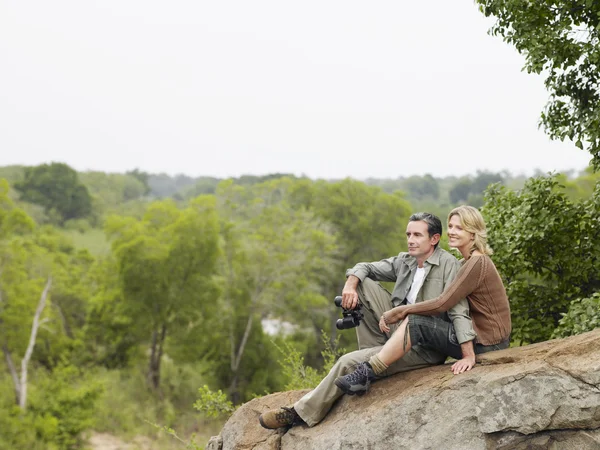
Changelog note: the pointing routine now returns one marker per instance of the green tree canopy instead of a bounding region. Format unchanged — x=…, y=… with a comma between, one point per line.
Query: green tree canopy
x=57, y=188
x=276, y=259
x=166, y=263
x=422, y=187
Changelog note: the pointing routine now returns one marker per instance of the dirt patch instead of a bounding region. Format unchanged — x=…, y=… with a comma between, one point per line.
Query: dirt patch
x=104, y=441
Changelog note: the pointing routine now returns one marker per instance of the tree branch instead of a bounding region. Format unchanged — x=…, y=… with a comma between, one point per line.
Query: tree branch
x=13, y=372
x=232, y=346
x=29, y=351
x=242, y=346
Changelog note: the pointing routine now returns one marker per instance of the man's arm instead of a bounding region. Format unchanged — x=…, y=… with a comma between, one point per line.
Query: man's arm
x=383, y=270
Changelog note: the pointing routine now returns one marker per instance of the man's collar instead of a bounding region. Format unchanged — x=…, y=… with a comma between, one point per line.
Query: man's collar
x=433, y=259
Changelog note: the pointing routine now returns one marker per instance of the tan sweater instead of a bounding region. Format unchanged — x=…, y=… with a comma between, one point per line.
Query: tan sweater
x=478, y=281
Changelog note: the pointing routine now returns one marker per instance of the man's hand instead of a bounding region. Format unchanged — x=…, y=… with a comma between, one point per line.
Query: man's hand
x=349, y=294
x=463, y=365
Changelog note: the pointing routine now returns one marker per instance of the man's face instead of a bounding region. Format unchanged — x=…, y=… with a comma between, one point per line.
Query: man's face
x=420, y=244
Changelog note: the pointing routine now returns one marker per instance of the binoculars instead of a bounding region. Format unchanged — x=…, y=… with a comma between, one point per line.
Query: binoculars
x=350, y=317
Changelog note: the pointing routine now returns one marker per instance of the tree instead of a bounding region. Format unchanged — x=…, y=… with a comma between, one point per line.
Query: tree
x=546, y=247
x=57, y=188
x=483, y=179
x=166, y=263
x=142, y=177
x=34, y=266
x=275, y=258
x=461, y=190
x=368, y=225
x=420, y=188
x=559, y=38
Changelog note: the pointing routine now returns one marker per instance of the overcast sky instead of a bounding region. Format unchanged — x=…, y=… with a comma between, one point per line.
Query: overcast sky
x=327, y=89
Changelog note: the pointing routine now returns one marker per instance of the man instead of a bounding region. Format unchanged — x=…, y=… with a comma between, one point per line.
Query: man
x=420, y=274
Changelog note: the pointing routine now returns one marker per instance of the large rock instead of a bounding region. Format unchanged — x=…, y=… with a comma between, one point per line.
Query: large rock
x=542, y=396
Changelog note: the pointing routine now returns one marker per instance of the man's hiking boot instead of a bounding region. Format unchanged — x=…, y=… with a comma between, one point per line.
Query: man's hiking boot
x=357, y=382
x=279, y=418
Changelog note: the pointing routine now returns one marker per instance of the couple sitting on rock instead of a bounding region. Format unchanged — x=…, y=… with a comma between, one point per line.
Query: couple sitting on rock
x=439, y=307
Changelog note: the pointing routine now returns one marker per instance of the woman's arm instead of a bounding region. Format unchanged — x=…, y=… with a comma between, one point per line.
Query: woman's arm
x=467, y=280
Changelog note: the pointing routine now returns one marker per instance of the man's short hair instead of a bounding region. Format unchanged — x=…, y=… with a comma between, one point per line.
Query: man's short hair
x=434, y=224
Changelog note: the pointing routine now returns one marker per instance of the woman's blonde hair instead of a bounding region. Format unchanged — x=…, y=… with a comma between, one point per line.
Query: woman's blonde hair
x=472, y=221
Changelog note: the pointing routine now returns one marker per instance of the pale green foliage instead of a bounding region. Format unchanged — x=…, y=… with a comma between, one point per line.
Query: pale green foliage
x=12, y=219
x=60, y=404
x=561, y=40
x=213, y=403
x=581, y=187
x=583, y=315
x=64, y=403
x=115, y=193
x=301, y=376
x=166, y=263
x=369, y=224
x=190, y=443
x=277, y=256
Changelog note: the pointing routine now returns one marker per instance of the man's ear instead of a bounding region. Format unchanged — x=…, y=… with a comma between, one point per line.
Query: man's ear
x=435, y=238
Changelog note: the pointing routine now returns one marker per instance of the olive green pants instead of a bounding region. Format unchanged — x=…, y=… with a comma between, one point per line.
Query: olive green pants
x=315, y=405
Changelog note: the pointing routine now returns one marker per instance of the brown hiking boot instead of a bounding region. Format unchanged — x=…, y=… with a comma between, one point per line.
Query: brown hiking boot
x=279, y=418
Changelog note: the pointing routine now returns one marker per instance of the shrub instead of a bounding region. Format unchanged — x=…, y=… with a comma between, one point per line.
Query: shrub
x=583, y=315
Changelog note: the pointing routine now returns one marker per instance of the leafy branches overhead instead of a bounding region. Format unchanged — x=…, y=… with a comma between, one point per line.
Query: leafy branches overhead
x=559, y=38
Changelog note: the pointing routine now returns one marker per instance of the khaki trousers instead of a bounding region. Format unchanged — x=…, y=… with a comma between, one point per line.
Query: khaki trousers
x=315, y=405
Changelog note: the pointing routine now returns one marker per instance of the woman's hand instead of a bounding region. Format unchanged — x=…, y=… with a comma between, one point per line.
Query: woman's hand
x=391, y=317
x=383, y=326
x=463, y=365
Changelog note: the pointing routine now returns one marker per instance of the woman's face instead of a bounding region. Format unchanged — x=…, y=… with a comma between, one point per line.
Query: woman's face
x=457, y=236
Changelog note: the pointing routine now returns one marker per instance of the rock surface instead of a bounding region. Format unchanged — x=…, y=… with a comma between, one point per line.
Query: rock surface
x=542, y=396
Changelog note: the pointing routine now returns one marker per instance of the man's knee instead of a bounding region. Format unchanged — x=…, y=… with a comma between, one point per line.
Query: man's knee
x=347, y=361
x=350, y=360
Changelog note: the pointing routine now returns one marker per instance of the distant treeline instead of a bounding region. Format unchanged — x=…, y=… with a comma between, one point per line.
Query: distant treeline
x=56, y=193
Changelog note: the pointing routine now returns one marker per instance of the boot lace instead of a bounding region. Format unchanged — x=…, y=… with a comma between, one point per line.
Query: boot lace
x=360, y=376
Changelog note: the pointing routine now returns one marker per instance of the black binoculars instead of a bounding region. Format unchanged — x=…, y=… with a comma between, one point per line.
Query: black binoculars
x=350, y=317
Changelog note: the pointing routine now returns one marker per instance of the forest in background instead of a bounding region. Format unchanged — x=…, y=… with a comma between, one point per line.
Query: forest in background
x=131, y=302
x=125, y=297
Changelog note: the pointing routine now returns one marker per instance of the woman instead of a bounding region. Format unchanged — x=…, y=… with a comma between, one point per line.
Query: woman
x=477, y=280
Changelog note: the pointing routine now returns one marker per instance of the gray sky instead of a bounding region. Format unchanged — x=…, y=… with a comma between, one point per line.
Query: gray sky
x=222, y=88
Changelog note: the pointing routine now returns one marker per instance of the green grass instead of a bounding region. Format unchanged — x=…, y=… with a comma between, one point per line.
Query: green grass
x=94, y=240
